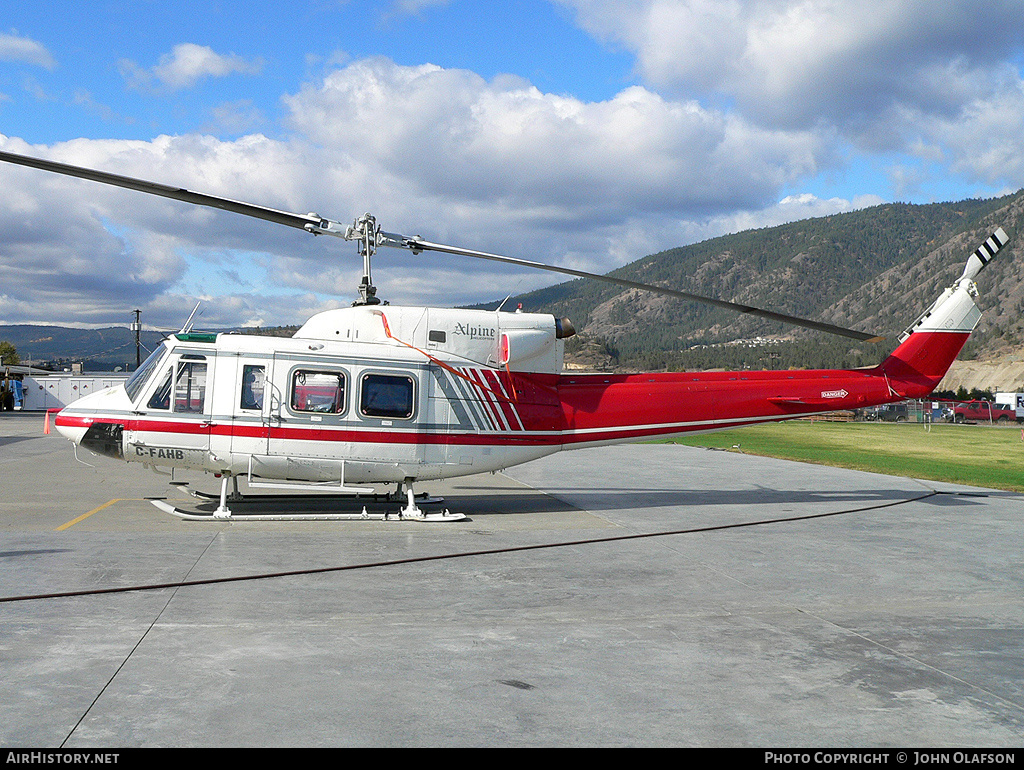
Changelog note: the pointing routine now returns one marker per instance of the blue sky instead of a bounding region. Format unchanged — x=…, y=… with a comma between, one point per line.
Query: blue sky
x=584, y=132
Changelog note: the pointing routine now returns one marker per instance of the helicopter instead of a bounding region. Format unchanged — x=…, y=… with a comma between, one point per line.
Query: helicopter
x=380, y=394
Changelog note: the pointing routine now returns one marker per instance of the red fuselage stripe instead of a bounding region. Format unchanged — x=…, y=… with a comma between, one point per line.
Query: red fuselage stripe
x=323, y=433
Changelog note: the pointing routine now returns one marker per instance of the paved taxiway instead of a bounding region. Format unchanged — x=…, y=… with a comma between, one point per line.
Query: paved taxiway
x=892, y=626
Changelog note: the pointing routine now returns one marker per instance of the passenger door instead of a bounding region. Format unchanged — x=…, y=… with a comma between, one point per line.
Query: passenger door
x=250, y=407
x=308, y=404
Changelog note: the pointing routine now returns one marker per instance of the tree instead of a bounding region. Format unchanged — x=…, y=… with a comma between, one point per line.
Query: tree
x=8, y=353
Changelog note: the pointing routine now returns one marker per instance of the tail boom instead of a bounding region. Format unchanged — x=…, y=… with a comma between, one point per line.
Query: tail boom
x=612, y=408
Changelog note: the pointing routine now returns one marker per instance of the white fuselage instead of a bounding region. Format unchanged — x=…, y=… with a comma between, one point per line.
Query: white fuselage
x=358, y=395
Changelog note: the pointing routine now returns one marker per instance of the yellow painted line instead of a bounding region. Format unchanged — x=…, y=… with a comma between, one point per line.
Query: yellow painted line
x=85, y=516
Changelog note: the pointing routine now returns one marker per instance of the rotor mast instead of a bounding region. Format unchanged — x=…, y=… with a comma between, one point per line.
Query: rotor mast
x=368, y=236
x=366, y=232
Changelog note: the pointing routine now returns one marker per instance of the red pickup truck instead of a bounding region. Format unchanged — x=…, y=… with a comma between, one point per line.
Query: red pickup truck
x=981, y=411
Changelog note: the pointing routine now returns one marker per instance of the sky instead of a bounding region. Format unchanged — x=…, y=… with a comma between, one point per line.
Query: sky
x=585, y=133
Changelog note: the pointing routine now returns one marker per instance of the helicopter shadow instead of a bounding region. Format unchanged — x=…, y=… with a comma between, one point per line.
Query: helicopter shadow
x=475, y=501
x=7, y=440
x=623, y=499
x=32, y=552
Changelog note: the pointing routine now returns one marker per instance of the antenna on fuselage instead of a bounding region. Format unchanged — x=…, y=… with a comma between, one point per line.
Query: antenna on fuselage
x=187, y=327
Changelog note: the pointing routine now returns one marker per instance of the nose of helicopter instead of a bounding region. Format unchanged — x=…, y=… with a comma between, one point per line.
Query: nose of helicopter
x=89, y=413
x=72, y=425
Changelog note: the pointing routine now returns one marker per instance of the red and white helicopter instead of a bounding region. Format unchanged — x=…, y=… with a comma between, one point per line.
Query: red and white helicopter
x=375, y=393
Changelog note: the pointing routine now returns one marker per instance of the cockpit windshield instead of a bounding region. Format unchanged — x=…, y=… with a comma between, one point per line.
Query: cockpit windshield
x=137, y=382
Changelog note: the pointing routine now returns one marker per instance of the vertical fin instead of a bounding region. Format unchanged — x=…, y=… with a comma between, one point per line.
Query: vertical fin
x=933, y=341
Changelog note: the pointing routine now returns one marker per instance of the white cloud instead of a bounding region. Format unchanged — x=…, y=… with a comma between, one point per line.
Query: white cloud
x=934, y=86
x=986, y=140
x=794, y=63
x=72, y=250
x=186, y=65
x=23, y=49
x=455, y=135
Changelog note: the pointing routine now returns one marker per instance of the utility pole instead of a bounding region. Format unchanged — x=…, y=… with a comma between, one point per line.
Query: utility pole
x=137, y=328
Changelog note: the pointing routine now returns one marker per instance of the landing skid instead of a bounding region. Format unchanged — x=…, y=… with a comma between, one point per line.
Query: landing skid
x=423, y=498
x=363, y=515
x=410, y=512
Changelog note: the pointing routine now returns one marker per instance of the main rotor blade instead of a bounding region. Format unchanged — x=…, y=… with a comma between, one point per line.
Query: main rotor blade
x=320, y=226
x=416, y=245
x=177, y=193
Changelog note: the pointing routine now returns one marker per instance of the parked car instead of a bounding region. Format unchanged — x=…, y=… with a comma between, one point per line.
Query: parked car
x=892, y=413
x=980, y=411
x=867, y=413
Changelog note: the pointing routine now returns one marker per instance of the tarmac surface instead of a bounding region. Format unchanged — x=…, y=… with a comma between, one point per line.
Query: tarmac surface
x=896, y=621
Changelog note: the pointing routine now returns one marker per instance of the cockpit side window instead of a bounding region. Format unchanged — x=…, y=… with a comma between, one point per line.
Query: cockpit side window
x=186, y=383
x=161, y=398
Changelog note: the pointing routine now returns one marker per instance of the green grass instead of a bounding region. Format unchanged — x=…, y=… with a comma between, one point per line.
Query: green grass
x=963, y=454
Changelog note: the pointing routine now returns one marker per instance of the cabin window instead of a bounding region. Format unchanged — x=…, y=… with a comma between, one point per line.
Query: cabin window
x=387, y=395
x=436, y=335
x=253, y=378
x=314, y=391
x=190, y=386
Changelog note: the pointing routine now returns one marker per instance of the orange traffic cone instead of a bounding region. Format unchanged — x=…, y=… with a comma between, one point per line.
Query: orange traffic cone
x=46, y=424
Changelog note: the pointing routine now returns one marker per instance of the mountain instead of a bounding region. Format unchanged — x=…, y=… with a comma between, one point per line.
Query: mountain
x=875, y=269
x=99, y=349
